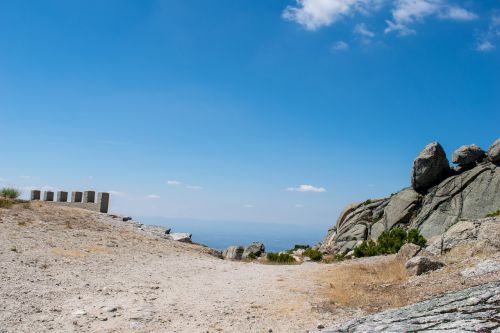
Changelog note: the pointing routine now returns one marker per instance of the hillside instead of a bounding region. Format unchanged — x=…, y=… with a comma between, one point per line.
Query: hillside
x=70, y=270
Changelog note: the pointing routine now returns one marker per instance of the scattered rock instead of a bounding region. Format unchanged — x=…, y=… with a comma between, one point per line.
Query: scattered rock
x=494, y=152
x=255, y=248
x=233, y=253
x=430, y=167
x=468, y=154
x=181, y=237
x=79, y=312
x=408, y=251
x=484, y=267
x=419, y=265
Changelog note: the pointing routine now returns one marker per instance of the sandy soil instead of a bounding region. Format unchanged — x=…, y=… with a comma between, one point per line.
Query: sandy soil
x=69, y=270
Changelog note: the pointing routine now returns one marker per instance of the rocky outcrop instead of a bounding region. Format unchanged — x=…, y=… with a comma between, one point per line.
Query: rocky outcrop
x=233, y=253
x=408, y=251
x=437, y=200
x=471, y=310
x=181, y=237
x=468, y=154
x=255, y=249
x=494, y=152
x=419, y=265
x=430, y=167
x=480, y=234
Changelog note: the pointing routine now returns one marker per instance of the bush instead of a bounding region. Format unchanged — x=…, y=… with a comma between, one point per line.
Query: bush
x=389, y=242
x=282, y=258
x=315, y=255
x=10, y=193
x=252, y=256
x=497, y=213
x=5, y=203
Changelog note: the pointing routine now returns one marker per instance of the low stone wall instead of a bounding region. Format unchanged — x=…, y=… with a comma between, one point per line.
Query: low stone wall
x=85, y=200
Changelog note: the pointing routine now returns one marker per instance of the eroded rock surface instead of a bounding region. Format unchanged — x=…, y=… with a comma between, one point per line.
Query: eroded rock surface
x=475, y=309
x=430, y=167
x=467, y=154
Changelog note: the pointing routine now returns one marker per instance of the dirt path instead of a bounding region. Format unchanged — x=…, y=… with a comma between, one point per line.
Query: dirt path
x=69, y=270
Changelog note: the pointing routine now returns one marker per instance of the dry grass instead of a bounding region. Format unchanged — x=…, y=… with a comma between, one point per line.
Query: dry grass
x=67, y=253
x=366, y=285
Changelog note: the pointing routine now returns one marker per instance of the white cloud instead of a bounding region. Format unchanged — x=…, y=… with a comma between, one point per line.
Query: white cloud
x=401, y=29
x=306, y=188
x=248, y=206
x=458, y=13
x=299, y=206
x=314, y=14
x=362, y=30
x=340, y=46
x=485, y=46
x=153, y=196
x=173, y=182
x=194, y=187
x=117, y=193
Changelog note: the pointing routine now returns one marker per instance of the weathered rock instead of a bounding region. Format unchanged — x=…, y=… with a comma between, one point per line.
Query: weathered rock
x=255, y=248
x=481, y=234
x=430, y=167
x=181, y=237
x=420, y=264
x=408, y=251
x=494, y=152
x=469, y=195
x=471, y=310
x=468, y=154
x=233, y=253
x=484, y=267
x=401, y=208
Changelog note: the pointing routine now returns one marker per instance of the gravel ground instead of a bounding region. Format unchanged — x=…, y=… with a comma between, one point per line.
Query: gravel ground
x=69, y=270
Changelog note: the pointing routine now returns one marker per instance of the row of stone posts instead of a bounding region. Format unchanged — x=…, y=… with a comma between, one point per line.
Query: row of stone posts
x=85, y=199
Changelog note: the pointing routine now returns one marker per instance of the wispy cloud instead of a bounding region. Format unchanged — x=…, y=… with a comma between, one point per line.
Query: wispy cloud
x=485, y=41
x=153, y=196
x=173, y=182
x=340, y=46
x=299, y=205
x=362, y=30
x=248, y=206
x=117, y=193
x=315, y=14
x=194, y=187
x=306, y=188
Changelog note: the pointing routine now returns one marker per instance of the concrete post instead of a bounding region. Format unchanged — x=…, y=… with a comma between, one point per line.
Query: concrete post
x=76, y=196
x=62, y=196
x=48, y=196
x=35, y=195
x=89, y=196
x=103, y=202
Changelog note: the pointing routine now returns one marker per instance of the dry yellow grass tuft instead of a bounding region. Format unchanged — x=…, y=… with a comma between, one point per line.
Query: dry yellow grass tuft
x=367, y=285
x=67, y=253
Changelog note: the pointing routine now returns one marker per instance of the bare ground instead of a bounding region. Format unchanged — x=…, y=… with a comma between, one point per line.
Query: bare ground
x=69, y=270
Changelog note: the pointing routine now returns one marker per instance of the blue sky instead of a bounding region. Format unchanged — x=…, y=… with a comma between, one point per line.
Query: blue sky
x=261, y=110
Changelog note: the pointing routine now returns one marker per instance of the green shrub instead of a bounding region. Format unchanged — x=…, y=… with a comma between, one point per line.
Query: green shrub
x=315, y=255
x=389, y=242
x=282, y=258
x=367, y=202
x=493, y=214
x=252, y=256
x=10, y=193
x=415, y=237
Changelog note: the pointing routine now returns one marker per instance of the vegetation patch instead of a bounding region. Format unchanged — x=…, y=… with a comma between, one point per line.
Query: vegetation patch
x=5, y=203
x=313, y=254
x=493, y=214
x=10, y=193
x=280, y=258
x=389, y=242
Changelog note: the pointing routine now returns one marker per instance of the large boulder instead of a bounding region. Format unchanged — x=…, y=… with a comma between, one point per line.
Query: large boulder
x=180, y=237
x=233, y=253
x=419, y=265
x=468, y=154
x=401, y=207
x=408, y=251
x=430, y=167
x=494, y=152
x=254, y=249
